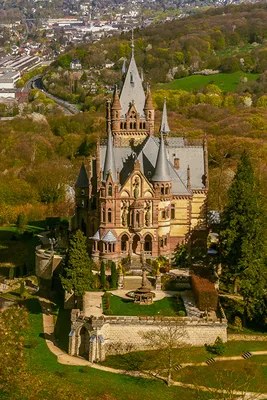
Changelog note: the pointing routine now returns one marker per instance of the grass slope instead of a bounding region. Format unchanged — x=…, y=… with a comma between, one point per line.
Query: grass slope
x=93, y=384
x=226, y=82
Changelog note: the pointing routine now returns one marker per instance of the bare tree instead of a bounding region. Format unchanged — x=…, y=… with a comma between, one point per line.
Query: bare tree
x=169, y=335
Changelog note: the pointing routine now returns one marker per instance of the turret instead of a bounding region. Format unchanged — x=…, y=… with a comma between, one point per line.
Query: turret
x=164, y=126
x=149, y=111
x=161, y=177
x=116, y=111
x=109, y=165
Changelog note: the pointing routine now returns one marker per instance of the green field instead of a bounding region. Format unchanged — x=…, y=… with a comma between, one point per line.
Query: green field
x=169, y=306
x=226, y=82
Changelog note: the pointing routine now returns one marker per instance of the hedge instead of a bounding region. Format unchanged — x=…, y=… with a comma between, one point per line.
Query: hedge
x=205, y=294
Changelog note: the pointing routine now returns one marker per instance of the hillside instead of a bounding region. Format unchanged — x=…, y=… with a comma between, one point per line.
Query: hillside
x=41, y=156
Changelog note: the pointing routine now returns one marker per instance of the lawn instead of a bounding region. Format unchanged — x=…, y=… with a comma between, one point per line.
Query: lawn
x=187, y=354
x=91, y=383
x=226, y=82
x=17, y=248
x=169, y=306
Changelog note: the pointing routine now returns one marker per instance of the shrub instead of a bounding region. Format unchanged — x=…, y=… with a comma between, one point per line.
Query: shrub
x=206, y=295
x=238, y=323
x=106, y=301
x=217, y=348
x=181, y=313
x=108, y=312
x=11, y=273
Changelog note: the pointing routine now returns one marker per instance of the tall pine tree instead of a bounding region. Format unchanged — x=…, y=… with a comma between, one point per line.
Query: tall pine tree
x=78, y=266
x=243, y=238
x=114, y=275
x=103, y=279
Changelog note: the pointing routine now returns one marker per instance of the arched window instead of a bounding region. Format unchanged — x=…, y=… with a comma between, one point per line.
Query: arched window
x=149, y=114
x=131, y=125
x=116, y=115
x=109, y=247
x=103, y=215
x=137, y=218
x=124, y=243
x=167, y=190
x=162, y=189
x=109, y=215
x=125, y=125
x=140, y=125
x=148, y=243
x=144, y=125
x=110, y=189
x=134, y=125
x=82, y=192
x=121, y=125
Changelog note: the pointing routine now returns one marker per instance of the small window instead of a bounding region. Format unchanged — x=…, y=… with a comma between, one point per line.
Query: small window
x=167, y=190
x=103, y=215
x=165, y=241
x=110, y=189
x=131, y=77
x=109, y=215
x=82, y=192
x=173, y=211
x=162, y=190
x=121, y=125
x=161, y=243
x=163, y=214
x=82, y=203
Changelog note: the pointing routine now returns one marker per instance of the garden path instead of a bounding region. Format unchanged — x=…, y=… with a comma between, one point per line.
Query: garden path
x=64, y=358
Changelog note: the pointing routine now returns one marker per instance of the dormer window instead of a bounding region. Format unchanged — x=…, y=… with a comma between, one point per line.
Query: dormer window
x=131, y=78
x=82, y=192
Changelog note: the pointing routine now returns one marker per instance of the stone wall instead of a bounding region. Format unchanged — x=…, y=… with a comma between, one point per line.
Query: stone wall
x=122, y=334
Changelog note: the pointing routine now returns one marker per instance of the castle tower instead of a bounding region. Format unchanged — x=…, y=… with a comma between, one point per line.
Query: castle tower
x=161, y=180
x=115, y=111
x=82, y=200
x=164, y=126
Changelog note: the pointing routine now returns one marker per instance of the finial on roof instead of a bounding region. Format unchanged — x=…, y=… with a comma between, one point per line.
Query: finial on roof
x=164, y=127
x=110, y=165
x=162, y=170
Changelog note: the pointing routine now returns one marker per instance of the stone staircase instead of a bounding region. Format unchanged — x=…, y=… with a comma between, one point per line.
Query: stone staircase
x=134, y=267
x=135, y=282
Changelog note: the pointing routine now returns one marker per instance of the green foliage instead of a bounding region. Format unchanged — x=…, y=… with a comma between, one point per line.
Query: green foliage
x=243, y=239
x=103, y=278
x=218, y=348
x=114, y=275
x=181, y=256
x=21, y=221
x=77, y=273
x=11, y=273
x=22, y=289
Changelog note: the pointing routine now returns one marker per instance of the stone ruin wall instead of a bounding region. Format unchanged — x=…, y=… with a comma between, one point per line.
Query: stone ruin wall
x=122, y=334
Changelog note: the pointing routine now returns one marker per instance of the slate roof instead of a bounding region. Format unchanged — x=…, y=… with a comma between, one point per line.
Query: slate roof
x=109, y=237
x=110, y=164
x=132, y=90
x=82, y=181
x=193, y=156
x=164, y=126
x=162, y=169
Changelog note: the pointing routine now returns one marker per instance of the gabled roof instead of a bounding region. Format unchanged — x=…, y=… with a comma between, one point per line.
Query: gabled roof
x=132, y=90
x=82, y=181
x=96, y=236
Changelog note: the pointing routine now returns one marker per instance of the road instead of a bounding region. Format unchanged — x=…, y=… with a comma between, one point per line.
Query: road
x=36, y=83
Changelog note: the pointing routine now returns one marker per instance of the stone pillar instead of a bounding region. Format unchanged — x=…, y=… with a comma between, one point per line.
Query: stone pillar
x=120, y=281
x=158, y=282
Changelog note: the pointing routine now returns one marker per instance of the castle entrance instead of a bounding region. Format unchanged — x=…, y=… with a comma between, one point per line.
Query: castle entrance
x=84, y=343
x=136, y=244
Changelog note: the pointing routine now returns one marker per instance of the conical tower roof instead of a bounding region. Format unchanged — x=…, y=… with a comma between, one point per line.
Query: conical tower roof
x=164, y=127
x=148, y=103
x=116, y=105
x=109, y=165
x=82, y=180
x=162, y=169
x=132, y=90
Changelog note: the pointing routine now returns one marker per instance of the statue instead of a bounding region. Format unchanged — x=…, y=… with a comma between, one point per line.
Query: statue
x=120, y=268
x=148, y=215
x=136, y=188
x=124, y=215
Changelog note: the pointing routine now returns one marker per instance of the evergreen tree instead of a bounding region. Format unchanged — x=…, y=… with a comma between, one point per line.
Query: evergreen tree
x=78, y=269
x=114, y=275
x=243, y=238
x=103, y=274
x=21, y=221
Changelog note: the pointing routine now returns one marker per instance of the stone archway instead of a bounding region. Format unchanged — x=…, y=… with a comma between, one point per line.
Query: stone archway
x=124, y=243
x=84, y=343
x=136, y=244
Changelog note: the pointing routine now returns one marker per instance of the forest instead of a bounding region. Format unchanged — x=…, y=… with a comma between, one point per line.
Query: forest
x=41, y=154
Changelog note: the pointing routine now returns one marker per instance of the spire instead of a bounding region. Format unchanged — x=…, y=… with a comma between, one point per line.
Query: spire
x=132, y=88
x=132, y=45
x=109, y=165
x=123, y=70
x=164, y=127
x=82, y=180
x=148, y=103
x=116, y=105
x=162, y=170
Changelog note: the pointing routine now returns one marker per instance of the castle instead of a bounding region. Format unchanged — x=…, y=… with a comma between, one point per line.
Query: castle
x=142, y=194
